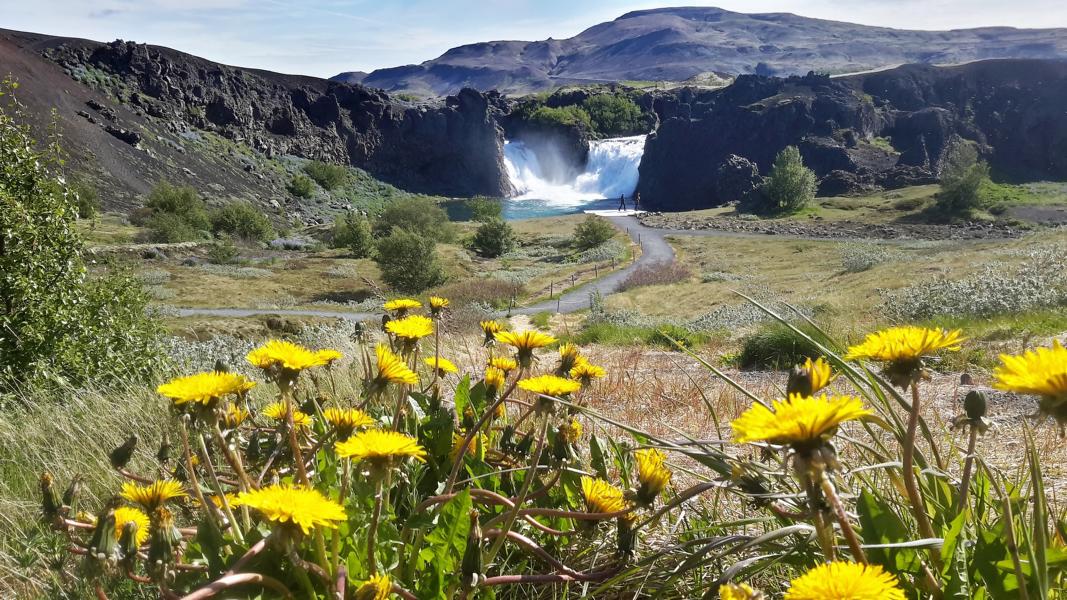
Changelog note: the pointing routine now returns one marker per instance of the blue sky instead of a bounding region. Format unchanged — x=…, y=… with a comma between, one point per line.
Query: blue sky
x=324, y=37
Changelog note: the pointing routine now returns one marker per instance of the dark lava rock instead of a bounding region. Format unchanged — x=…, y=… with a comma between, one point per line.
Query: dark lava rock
x=847, y=183
x=736, y=178
x=130, y=137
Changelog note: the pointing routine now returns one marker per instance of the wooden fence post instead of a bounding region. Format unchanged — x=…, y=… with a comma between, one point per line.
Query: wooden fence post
x=551, y=288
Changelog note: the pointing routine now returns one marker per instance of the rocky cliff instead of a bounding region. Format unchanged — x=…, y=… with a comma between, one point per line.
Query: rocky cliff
x=157, y=100
x=863, y=132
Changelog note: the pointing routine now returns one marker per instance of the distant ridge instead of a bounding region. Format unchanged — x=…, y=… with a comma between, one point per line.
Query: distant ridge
x=674, y=44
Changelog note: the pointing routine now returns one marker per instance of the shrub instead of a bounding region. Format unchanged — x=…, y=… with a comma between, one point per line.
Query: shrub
x=658, y=273
x=408, y=261
x=222, y=252
x=592, y=232
x=494, y=238
x=564, y=116
x=419, y=215
x=613, y=114
x=57, y=323
x=859, y=257
x=326, y=175
x=87, y=200
x=962, y=176
x=487, y=291
x=176, y=214
x=353, y=231
x=301, y=186
x=485, y=209
x=775, y=346
x=790, y=185
x=242, y=220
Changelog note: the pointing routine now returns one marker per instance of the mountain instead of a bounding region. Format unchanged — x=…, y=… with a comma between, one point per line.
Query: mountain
x=132, y=115
x=675, y=44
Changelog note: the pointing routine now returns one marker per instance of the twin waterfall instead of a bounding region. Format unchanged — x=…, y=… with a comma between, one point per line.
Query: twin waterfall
x=610, y=172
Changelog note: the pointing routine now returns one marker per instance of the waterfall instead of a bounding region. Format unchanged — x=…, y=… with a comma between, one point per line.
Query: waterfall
x=610, y=171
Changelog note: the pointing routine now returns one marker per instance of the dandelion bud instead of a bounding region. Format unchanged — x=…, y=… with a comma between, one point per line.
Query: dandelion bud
x=70, y=497
x=473, y=570
x=128, y=544
x=221, y=366
x=49, y=502
x=652, y=474
x=253, y=451
x=102, y=544
x=974, y=404
x=739, y=591
x=163, y=454
x=625, y=536
x=121, y=456
x=162, y=540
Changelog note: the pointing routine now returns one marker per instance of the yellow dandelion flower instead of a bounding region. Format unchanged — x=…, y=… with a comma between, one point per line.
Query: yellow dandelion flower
x=402, y=305
x=571, y=432
x=285, y=504
x=233, y=415
x=328, y=356
x=1041, y=372
x=904, y=348
x=550, y=385
x=586, y=372
x=842, y=580
x=126, y=514
x=494, y=381
x=739, y=591
x=411, y=328
x=217, y=501
x=346, y=420
x=204, y=388
x=378, y=587
x=504, y=363
x=490, y=328
x=438, y=304
x=524, y=340
x=284, y=355
x=443, y=365
x=652, y=473
x=601, y=496
x=276, y=412
x=391, y=369
x=154, y=494
x=807, y=379
x=458, y=439
x=381, y=447
x=569, y=355
x=798, y=421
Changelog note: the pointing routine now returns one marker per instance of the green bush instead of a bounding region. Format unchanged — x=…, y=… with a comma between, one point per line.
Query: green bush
x=485, y=209
x=87, y=200
x=176, y=214
x=775, y=346
x=420, y=215
x=408, y=261
x=790, y=186
x=614, y=115
x=326, y=175
x=242, y=220
x=564, y=116
x=57, y=322
x=592, y=232
x=301, y=186
x=962, y=176
x=223, y=252
x=353, y=231
x=494, y=238
x=615, y=334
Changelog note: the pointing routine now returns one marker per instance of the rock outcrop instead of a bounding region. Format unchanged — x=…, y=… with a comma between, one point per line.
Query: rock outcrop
x=450, y=147
x=859, y=133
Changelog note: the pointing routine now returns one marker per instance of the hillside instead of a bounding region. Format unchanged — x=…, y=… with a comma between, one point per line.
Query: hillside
x=132, y=115
x=675, y=44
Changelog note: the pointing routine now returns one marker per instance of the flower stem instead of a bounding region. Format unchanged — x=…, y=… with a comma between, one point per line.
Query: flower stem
x=294, y=443
x=335, y=543
x=830, y=492
x=193, y=484
x=915, y=498
x=823, y=532
x=450, y=483
x=968, y=467
x=206, y=458
x=372, y=533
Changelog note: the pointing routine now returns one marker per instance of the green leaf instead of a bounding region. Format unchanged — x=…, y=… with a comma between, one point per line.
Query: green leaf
x=447, y=541
x=596, y=458
x=880, y=525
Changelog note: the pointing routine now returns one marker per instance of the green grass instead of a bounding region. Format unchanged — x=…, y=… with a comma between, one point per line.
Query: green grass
x=775, y=346
x=541, y=320
x=1027, y=194
x=611, y=334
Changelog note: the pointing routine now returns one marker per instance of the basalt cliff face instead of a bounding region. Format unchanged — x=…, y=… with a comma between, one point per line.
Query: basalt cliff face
x=146, y=104
x=858, y=133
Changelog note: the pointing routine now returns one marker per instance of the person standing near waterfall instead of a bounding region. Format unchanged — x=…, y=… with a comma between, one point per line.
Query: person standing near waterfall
x=637, y=200
x=622, y=202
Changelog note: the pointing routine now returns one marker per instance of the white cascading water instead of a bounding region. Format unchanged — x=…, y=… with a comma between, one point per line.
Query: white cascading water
x=611, y=171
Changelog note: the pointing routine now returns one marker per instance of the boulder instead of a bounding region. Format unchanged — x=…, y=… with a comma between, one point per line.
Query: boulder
x=736, y=178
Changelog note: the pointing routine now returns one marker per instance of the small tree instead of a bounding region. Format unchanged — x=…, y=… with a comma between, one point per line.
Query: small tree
x=493, y=238
x=88, y=200
x=353, y=231
x=790, y=186
x=418, y=214
x=242, y=220
x=485, y=209
x=592, y=232
x=962, y=176
x=613, y=114
x=408, y=261
x=326, y=175
x=301, y=186
x=176, y=214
